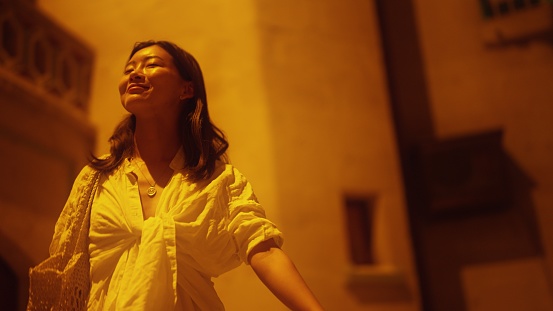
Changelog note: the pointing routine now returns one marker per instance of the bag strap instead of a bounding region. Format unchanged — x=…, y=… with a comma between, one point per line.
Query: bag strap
x=82, y=246
x=79, y=227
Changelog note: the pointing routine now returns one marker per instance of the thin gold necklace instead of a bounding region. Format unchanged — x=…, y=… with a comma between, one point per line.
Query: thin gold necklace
x=152, y=189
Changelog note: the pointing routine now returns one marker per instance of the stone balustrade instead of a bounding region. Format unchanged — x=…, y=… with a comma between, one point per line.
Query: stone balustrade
x=36, y=51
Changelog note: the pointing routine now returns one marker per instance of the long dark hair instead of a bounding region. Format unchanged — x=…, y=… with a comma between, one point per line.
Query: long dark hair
x=204, y=144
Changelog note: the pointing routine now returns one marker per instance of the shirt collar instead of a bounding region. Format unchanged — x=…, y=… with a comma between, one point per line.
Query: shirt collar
x=178, y=161
x=176, y=164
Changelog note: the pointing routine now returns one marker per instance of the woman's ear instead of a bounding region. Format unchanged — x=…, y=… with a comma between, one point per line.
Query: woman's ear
x=187, y=91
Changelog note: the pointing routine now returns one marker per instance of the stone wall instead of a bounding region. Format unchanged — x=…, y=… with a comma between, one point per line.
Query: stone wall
x=45, y=135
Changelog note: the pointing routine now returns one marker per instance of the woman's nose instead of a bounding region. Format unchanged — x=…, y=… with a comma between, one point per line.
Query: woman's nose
x=136, y=76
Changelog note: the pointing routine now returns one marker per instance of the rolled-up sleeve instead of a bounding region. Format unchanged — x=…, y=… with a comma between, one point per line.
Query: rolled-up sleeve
x=247, y=220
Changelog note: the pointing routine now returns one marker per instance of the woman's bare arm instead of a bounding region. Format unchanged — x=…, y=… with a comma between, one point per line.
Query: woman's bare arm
x=275, y=269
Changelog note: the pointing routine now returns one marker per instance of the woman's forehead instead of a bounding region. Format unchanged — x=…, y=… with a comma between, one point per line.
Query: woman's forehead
x=153, y=51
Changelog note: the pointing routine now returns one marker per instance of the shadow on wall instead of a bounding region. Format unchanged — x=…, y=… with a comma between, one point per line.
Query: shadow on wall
x=478, y=211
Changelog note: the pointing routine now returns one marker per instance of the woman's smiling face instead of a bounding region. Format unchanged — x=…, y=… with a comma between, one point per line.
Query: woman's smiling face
x=151, y=83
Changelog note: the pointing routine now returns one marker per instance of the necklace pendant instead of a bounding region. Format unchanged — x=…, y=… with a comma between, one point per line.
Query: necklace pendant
x=151, y=191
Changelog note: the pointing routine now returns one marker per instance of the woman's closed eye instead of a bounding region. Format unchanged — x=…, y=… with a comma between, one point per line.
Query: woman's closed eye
x=153, y=65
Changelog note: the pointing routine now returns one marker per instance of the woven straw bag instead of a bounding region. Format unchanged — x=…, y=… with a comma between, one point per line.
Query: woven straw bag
x=62, y=282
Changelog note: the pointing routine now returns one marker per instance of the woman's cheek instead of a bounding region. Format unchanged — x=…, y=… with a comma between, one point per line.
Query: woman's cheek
x=123, y=86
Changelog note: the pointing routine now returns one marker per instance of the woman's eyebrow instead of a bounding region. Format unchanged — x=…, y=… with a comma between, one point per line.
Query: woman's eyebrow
x=132, y=62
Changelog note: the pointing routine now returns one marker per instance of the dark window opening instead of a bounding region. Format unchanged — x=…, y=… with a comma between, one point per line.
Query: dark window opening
x=360, y=219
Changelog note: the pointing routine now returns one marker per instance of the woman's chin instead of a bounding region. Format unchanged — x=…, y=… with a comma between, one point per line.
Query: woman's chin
x=134, y=105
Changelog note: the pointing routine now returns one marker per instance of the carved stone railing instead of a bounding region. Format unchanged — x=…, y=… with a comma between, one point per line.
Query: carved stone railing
x=37, y=52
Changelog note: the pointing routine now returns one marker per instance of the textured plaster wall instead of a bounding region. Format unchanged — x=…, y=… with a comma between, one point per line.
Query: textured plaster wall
x=332, y=136
x=299, y=89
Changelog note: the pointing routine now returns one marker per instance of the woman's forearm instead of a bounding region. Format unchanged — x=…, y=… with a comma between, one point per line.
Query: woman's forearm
x=275, y=269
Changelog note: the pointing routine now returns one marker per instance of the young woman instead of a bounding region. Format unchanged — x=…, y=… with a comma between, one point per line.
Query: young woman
x=169, y=212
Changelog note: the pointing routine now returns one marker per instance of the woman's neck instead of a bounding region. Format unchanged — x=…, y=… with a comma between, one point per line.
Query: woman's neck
x=156, y=141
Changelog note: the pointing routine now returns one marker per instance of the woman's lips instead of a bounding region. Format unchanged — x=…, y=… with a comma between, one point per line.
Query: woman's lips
x=133, y=89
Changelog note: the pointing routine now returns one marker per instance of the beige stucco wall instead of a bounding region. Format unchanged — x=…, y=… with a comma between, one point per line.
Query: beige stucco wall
x=300, y=91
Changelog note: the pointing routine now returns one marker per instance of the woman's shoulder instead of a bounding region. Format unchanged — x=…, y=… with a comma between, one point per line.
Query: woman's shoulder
x=227, y=170
x=88, y=170
x=85, y=172
x=225, y=174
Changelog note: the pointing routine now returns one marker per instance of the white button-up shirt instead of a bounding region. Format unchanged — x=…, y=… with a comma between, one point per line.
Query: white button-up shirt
x=166, y=262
